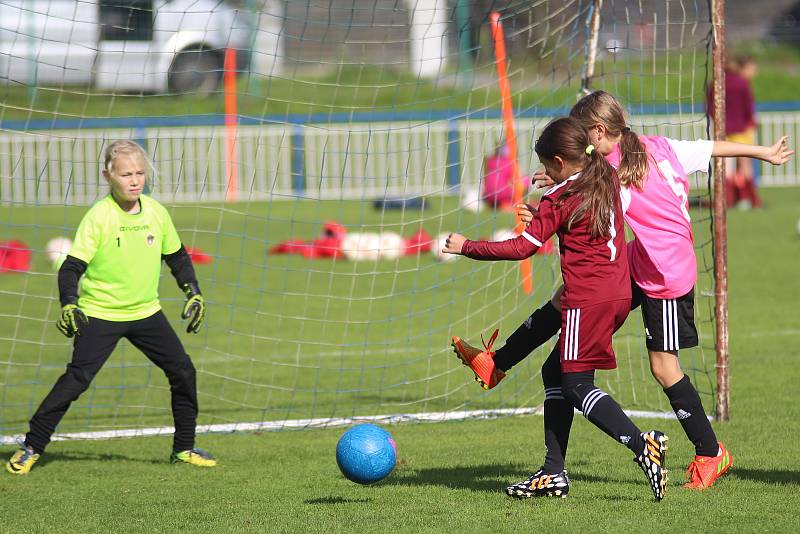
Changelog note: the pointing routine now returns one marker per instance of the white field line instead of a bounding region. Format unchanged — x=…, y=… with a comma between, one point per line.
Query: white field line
x=269, y=426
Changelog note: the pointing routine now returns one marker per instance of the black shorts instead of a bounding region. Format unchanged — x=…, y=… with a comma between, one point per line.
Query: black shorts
x=668, y=323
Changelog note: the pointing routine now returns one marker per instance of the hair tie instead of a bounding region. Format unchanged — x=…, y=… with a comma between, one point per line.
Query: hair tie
x=589, y=150
x=626, y=129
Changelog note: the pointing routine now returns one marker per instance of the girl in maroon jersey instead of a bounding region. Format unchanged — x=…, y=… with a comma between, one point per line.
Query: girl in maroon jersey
x=584, y=210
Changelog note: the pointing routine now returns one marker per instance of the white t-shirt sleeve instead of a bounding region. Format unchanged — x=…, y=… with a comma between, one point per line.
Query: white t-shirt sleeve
x=625, y=197
x=693, y=155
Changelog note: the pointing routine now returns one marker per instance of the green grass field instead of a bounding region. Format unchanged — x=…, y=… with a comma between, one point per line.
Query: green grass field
x=449, y=476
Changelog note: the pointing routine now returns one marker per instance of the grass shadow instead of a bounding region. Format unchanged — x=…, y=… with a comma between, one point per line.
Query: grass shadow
x=770, y=476
x=639, y=497
x=335, y=500
x=481, y=478
x=496, y=477
x=583, y=476
x=48, y=457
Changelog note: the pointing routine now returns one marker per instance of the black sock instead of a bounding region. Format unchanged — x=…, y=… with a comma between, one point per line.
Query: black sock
x=689, y=410
x=601, y=410
x=558, y=414
x=542, y=324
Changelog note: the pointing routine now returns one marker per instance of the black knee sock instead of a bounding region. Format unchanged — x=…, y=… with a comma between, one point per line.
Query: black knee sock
x=689, y=410
x=601, y=410
x=558, y=414
x=542, y=324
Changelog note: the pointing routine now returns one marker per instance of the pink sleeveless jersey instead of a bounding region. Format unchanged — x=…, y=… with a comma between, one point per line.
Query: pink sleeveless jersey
x=662, y=260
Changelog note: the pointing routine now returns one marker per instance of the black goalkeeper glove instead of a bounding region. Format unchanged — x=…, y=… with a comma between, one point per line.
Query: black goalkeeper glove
x=72, y=320
x=194, y=308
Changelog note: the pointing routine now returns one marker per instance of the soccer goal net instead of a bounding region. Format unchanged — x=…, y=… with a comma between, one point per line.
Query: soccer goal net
x=311, y=154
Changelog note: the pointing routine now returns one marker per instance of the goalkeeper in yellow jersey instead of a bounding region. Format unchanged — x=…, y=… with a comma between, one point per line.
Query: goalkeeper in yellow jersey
x=116, y=256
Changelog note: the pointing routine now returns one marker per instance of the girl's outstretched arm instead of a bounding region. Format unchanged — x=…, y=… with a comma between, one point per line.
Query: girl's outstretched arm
x=777, y=154
x=545, y=221
x=517, y=248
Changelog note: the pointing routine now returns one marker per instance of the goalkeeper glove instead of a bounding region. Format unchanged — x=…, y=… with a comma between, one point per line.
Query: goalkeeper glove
x=72, y=320
x=194, y=307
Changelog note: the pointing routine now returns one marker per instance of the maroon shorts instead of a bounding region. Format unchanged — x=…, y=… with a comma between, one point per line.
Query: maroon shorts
x=586, y=333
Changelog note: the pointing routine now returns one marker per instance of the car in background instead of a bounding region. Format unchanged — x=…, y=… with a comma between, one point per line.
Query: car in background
x=136, y=46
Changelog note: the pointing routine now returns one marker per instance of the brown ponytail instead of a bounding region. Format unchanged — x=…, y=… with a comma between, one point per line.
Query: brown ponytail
x=602, y=108
x=632, y=168
x=568, y=139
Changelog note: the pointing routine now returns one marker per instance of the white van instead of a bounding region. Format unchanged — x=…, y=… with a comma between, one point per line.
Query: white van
x=123, y=45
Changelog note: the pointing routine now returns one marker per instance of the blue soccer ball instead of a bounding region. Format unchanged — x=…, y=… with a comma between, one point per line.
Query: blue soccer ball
x=366, y=454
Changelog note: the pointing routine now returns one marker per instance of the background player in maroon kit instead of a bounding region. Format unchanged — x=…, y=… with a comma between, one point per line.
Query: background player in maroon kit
x=740, y=127
x=584, y=210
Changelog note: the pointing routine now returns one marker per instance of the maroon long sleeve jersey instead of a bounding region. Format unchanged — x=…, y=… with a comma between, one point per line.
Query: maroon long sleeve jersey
x=594, y=270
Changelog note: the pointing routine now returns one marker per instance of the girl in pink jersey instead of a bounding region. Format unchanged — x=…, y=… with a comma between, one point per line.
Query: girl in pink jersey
x=585, y=210
x=653, y=172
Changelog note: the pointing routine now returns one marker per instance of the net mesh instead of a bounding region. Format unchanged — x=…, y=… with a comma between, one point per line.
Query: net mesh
x=376, y=115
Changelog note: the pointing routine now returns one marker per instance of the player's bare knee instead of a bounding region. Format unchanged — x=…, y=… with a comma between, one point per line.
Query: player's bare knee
x=659, y=375
x=665, y=368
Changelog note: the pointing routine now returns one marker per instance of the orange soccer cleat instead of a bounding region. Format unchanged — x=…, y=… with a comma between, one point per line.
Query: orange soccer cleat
x=480, y=361
x=705, y=470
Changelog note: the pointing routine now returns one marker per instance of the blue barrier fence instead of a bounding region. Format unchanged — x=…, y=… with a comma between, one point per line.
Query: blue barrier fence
x=361, y=155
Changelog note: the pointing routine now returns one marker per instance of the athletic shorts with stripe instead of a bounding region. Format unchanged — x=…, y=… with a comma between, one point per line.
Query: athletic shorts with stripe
x=668, y=323
x=586, y=333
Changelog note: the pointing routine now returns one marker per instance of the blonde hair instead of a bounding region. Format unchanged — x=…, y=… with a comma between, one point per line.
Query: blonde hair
x=602, y=108
x=118, y=148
